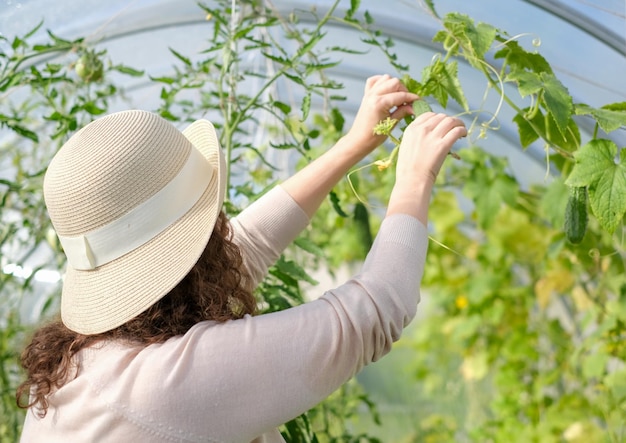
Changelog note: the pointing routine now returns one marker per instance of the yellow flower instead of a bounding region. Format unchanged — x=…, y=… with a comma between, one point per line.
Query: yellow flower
x=383, y=164
x=461, y=302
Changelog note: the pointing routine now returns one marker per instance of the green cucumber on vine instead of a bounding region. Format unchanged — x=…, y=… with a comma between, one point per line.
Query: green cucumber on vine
x=576, y=214
x=362, y=225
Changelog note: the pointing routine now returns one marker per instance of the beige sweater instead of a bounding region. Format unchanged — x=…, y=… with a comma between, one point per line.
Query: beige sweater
x=237, y=381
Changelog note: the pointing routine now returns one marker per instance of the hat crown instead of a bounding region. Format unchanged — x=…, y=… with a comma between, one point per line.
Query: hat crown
x=109, y=167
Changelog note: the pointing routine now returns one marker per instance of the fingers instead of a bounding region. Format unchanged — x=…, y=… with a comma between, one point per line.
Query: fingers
x=454, y=134
x=436, y=130
x=389, y=96
x=440, y=124
x=384, y=84
x=398, y=100
x=371, y=81
x=449, y=129
x=402, y=111
x=426, y=143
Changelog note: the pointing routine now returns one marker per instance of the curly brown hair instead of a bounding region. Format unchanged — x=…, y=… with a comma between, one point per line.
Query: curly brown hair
x=214, y=289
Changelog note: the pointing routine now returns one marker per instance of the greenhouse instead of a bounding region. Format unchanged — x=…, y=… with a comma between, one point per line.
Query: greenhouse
x=521, y=328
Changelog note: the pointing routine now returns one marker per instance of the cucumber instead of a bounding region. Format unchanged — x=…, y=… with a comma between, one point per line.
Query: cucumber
x=362, y=225
x=576, y=214
x=420, y=106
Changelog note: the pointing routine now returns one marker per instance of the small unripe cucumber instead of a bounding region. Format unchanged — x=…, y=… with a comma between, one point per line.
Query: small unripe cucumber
x=420, y=106
x=362, y=225
x=576, y=214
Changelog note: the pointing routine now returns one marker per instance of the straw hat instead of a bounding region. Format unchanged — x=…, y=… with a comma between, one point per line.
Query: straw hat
x=134, y=202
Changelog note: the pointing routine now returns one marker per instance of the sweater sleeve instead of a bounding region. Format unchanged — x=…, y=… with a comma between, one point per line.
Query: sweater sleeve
x=236, y=380
x=265, y=228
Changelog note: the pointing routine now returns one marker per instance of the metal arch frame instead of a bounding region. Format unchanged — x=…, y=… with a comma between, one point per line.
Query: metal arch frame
x=401, y=31
x=592, y=27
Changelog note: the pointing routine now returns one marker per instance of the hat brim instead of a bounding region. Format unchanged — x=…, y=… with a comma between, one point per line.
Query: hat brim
x=102, y=299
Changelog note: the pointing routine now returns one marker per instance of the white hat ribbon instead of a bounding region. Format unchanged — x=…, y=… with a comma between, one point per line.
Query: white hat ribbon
x=145, y=221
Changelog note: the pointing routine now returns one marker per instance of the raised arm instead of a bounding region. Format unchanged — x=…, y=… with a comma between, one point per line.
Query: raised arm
x=265, y=228
x=382, y=94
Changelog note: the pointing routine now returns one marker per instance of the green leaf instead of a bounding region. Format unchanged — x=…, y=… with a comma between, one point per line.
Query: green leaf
x=527, y=131
x=475, y=39
x=168, y=115
x=544, y=126
x=354, y=6
x=430, y=4
x=553, y=202
x=283, y=107
x=568, y=140
x=32, y=31
x=502, y=189
x=312, y=67
x=345, y=50
x=293, y=270
x=166, y=80
x=93, y=109
x=181, y=57
x=591, y=161
x=283, y=146
x=605, y=179
x=334, y=200
x=128, y=70
x=618, y=106
x=13, y=80
x=62, y=42
x=550, y=90
x=441, y=80
x=411, y=84
x=53, y=68
x=609, y=117
x=55, y=116
x=24, y=132
x=309, y=246
x=276, y=58
x=306, y=48
x=295, y=78
x=482, y=37
x=558, y=100
x=337, y=119
x=420, y=107
x=17, y=42
x=489, y=187
x=527, y=82
x=520, y=60
x=242, y=32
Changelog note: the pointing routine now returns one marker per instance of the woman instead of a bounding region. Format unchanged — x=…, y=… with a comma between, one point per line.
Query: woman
x=158, y=342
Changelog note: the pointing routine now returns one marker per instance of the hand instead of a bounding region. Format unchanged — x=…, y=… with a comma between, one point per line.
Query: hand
x=425, y=144
x=384, y=97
